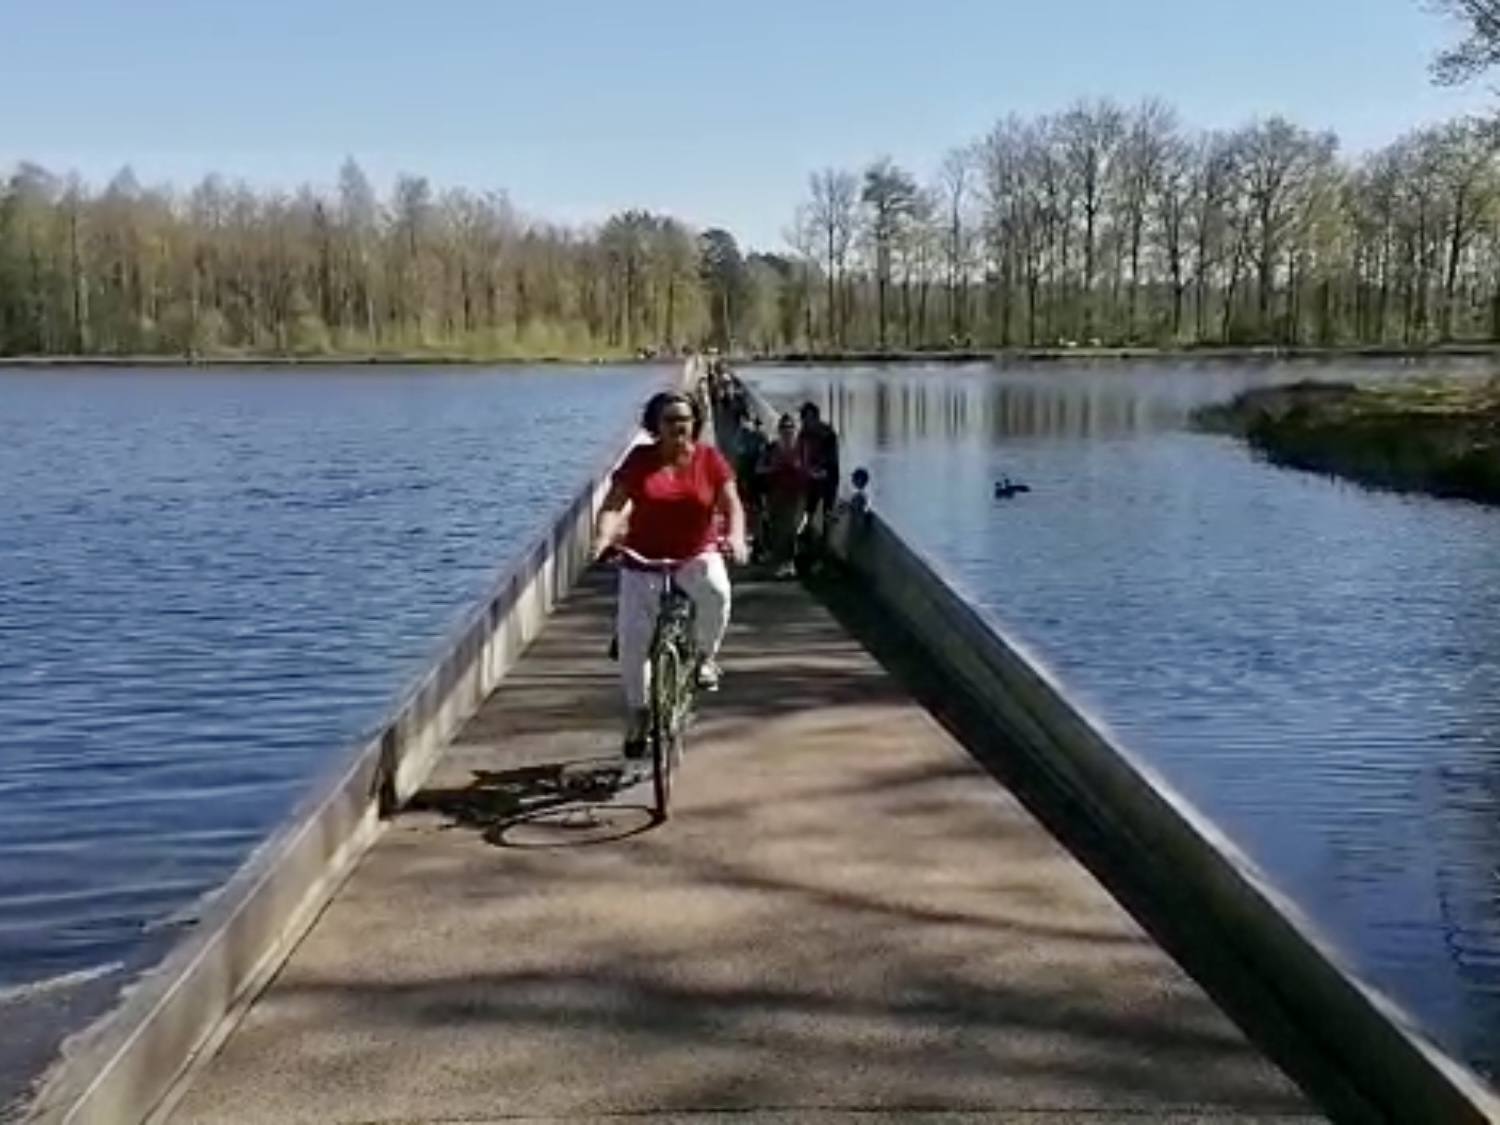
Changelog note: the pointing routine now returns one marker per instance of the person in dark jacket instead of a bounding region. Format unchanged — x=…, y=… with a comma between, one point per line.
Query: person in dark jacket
x=749, y=447
x=819, y=445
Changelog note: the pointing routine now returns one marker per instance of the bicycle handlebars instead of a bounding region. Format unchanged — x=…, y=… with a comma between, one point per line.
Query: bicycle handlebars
x=620, y=551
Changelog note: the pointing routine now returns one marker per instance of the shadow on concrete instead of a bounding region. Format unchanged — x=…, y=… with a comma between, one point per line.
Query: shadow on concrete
x=1137, y=882
x=553, y=804
x=830, y=923
x=797, y=1030
x=871, y=1012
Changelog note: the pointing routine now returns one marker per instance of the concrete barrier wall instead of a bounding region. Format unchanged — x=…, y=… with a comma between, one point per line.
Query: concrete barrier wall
x=117, y=1071
x=1391, y=1069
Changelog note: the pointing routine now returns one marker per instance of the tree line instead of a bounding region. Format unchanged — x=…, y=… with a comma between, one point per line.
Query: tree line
x=1099, y=224
x=222, y=269
x=1117, y=225
x=1122, y=225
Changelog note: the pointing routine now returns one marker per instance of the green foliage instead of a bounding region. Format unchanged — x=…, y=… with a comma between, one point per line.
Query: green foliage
x=223, y=271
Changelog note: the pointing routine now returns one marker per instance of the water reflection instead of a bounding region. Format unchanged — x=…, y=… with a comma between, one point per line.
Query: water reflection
x=941, y=404
x=1315, y=665
x=883, y=407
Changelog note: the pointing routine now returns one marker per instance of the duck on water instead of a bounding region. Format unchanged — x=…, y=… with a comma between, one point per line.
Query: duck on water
x=1005, y=488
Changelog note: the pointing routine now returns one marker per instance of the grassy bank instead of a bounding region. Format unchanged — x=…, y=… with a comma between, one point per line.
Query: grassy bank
x=1260, y=353
x=1438, y=436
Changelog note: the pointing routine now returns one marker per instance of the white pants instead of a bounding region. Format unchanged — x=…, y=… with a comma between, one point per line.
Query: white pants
x=705, y=580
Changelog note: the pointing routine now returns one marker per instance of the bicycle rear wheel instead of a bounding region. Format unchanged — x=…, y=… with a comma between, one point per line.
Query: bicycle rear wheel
x=666, y=685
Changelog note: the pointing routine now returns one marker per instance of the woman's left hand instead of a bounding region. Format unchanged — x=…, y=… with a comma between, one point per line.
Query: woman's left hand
x=738, y=550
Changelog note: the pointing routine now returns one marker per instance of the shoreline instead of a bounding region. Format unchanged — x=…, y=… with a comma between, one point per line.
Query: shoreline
x=1435, y=437
x=850, y=358
x=1256, y=352
x=41, y=362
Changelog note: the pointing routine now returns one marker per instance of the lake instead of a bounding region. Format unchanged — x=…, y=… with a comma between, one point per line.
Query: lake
x=211, y=584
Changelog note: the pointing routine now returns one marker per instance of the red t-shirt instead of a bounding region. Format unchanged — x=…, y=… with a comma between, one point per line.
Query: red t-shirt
x=672, y=506
x=786, y=475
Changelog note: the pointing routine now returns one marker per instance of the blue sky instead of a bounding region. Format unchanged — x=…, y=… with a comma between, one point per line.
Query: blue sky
x=714, y=112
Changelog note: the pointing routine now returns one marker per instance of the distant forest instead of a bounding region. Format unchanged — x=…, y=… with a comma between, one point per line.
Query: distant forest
x=1102, y=223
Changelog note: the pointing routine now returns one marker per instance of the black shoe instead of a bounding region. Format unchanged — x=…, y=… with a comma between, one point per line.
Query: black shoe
x=636, y=740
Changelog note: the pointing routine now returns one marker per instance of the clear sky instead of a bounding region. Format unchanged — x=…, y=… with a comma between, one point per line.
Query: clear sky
x=716, y=112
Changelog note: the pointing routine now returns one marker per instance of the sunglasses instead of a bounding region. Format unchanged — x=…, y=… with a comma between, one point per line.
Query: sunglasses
x=677, y=416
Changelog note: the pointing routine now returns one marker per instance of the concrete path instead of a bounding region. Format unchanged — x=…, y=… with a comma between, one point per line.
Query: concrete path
x=844, y=917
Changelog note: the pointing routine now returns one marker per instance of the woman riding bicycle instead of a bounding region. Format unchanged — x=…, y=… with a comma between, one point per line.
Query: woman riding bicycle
x=664, y=502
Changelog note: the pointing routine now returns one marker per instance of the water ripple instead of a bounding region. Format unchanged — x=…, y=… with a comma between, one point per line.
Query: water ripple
x=209, y=583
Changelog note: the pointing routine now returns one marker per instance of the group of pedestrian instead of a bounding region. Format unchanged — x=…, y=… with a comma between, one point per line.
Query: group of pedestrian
x=798, y=483
x=790, y=482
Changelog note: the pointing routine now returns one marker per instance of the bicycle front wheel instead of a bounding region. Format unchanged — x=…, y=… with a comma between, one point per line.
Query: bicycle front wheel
x=666, y=687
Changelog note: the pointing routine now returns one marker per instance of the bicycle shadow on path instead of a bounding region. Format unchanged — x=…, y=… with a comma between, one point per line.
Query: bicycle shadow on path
x=570, y=803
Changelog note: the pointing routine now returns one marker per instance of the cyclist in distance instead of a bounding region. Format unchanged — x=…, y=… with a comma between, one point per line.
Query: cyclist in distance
x=665, y=501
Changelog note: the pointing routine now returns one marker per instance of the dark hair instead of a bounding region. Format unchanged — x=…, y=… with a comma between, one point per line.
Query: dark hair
x=657, y=404
x=810, y=410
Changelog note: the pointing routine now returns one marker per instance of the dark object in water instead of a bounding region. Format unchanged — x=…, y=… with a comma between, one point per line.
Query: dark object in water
x=1005, y=488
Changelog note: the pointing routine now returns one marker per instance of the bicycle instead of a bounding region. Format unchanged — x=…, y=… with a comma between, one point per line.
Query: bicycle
x=672, y=660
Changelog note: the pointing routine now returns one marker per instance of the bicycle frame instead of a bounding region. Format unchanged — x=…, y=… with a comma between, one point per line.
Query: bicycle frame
x=672, y=662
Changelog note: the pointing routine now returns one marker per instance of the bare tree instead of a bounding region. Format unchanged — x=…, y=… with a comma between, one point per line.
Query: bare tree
x=890, y=195
x=834, y=212
x=1148, y=147
x=953, y=202
x=1479, y=49
x=803, y=238
x=1092, y=135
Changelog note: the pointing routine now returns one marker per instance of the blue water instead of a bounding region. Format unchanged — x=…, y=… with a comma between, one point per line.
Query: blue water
x=1314, y=665
x=211, y=583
